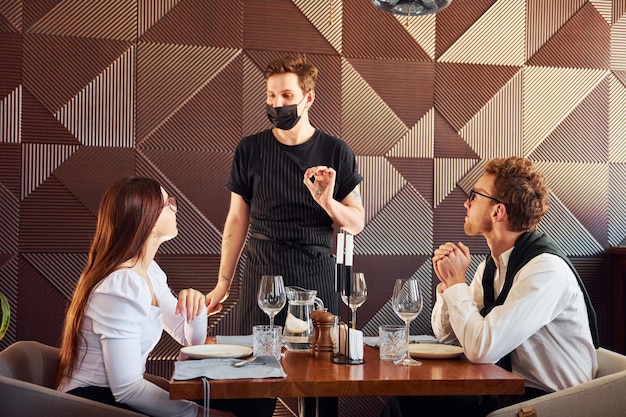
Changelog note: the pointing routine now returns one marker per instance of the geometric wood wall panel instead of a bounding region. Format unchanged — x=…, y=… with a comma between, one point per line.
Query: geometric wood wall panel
x=618, y=35
x=57, y=68
x=196, y=235
x=8, y=286
x=40, y=125
x=571, y=181
x=418, y=141
x=422, y=30
x=370, y=33
x=402, y=227
x=357, y=126
x=453, y=22
x=10, y=168
x=182, y=168
x=590, y=51
x=265, y=27
x=10, y=115
x=543, y=20
x=487, y=133
x=496, y=38
x=41, y=307
x=9, y=222
x=589, y=123
x=326, y=17
x=550, y=94
x=381, y=276
x=217, y=22
x=472, y=85
x=91, y=92
x=163, y=89
x=617, y=119
x=617, y=205
x=103, y=113
x=191, y=127
x=381, y=181
x=409, y=105
x=568, y=231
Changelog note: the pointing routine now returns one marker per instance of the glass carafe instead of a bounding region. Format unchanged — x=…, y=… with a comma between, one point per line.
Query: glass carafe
x=298, y=325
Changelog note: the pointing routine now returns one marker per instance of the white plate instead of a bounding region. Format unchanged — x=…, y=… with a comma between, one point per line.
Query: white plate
x=216, y=351
x=434, y=351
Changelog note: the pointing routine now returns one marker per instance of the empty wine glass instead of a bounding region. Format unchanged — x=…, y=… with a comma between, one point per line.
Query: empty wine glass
x=354, y=294
x=407, y=303
x=272, y=296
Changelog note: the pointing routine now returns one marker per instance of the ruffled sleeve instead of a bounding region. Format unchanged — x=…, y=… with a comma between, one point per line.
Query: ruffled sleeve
x=120, y=305
x=186, y=334
x=120, y=310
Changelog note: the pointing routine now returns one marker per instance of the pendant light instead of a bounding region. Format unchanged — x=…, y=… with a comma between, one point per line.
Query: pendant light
x=411, y=7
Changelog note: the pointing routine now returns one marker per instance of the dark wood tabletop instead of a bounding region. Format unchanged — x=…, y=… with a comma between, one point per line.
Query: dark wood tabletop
x=308, y=376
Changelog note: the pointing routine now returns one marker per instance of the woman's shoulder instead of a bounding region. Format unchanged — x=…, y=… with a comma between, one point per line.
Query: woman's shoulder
x=124, y=283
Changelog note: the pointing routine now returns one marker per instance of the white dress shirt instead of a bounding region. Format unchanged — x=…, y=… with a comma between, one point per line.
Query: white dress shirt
x=543, y=321
x=120, y=329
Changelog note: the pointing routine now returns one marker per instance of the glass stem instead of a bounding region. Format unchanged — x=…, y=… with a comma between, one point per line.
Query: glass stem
x=353, y=318
x=406, y=344
x=271, y=322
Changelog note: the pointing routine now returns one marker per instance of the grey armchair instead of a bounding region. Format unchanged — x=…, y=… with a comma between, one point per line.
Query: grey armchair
x=604, y=396
x=27, y=377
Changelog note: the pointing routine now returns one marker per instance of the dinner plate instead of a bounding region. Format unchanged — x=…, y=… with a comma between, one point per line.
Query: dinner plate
x=434, y=351
x=216, y=351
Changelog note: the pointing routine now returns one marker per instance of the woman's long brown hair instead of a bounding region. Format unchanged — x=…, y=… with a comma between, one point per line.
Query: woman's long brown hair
x=127, y=214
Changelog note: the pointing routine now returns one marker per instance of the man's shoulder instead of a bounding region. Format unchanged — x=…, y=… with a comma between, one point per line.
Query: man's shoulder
x=328, y=140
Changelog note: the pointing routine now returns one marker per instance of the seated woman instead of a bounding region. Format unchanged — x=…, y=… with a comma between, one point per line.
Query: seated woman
x=122, y=303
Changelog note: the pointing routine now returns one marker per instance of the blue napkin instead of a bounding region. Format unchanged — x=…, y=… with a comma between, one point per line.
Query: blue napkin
x=235, y=340
x=262, y=367
x=374, y=341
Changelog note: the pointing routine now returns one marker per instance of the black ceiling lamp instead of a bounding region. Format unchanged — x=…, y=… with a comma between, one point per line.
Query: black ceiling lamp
x=411, y=7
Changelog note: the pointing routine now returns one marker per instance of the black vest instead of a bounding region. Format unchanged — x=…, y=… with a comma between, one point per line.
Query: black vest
x=527, y=246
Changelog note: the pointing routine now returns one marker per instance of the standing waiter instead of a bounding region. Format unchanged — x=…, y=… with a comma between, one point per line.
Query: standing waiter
x=288, y=184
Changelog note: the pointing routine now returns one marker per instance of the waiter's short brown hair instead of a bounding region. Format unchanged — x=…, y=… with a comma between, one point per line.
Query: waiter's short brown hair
x=306, y=72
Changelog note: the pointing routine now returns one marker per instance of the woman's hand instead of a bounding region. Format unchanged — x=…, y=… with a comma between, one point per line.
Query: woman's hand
x=190, y=304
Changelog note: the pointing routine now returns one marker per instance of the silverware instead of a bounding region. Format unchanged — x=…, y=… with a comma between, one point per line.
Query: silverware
x=249, y=361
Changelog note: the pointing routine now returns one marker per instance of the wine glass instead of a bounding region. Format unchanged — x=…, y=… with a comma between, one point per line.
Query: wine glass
x=272, y=296
x=407, y=303
x=355, y=295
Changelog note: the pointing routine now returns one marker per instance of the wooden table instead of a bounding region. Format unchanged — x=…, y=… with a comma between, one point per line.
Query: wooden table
x=311, y=377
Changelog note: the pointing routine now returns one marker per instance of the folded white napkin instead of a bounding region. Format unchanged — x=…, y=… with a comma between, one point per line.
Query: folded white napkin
x=262, y=367
x=356, y=342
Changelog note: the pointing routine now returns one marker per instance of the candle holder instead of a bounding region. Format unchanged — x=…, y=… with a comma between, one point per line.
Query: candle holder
x=344, y=279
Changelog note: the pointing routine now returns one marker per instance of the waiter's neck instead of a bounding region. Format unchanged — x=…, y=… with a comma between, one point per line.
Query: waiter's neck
x=299, y=134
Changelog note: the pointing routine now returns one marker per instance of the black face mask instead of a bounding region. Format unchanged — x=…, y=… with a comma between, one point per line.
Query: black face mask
x=283, y=118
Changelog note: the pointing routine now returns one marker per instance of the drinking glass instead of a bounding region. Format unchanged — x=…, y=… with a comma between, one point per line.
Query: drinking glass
x=357, y=294
x=272, y=296
x=407, y=303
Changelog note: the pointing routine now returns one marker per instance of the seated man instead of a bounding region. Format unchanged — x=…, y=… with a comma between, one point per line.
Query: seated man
x=526, y=307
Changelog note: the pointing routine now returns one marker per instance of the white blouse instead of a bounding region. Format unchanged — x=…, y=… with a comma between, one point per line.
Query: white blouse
x=120, y=329
x=543, y=321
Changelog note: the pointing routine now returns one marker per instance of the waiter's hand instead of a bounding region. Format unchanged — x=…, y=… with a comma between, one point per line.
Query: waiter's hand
x=450, y=263
x=215, y=299
x=323, y=185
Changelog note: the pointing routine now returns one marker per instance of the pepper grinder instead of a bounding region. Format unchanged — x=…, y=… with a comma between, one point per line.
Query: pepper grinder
x=324, y=347
x=314, y=317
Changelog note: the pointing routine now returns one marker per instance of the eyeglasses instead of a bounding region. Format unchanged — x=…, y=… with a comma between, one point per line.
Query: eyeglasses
x=472, y=196
x=171, y=203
